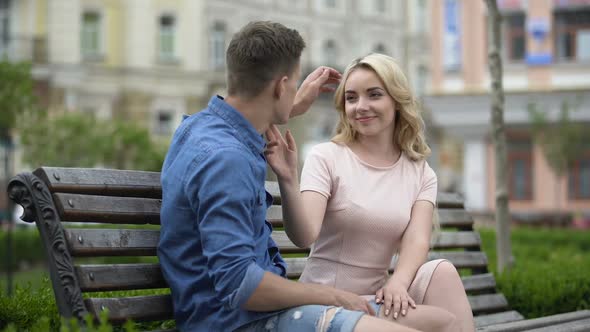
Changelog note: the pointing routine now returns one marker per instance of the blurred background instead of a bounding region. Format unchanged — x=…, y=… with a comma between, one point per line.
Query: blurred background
x=145, y=63
x=109, y=80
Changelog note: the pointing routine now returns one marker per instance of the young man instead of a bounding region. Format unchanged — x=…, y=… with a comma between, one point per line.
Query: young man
x=215, y=248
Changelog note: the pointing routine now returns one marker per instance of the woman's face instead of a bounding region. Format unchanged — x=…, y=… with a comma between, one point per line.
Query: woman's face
x=370, y=110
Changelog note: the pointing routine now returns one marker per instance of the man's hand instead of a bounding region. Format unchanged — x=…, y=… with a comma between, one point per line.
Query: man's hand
x=352, y=301
x=320, y=80
x=281, y=154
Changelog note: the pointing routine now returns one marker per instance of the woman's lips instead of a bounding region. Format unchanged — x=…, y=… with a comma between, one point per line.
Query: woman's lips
x=365, y=118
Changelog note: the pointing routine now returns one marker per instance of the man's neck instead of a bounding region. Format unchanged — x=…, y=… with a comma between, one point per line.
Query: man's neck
x=255, y=110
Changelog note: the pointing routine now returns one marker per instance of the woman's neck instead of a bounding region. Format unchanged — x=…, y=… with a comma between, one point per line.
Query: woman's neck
x=378, y=151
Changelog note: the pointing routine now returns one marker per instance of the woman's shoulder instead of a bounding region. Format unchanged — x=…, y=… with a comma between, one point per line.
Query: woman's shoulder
x=421, y=166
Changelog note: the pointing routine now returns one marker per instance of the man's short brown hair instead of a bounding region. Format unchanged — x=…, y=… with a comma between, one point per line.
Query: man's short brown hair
x=259, y=52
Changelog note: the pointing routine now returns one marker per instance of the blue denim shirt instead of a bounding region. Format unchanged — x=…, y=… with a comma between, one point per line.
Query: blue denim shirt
x=215, y=243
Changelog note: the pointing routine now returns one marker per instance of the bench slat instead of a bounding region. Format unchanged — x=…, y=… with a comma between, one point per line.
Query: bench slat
x=137, y=308
x=488, y=303
x=132, y=242
x=106, y=209
x=479, y=282
x=112, y=182
x=133, y=210
x=500, y=317
x=112, y=277
x=451, y=218
x=112, y=242
x=97, y=181
x=538, y=322
x=582, y=325
x=461, y=260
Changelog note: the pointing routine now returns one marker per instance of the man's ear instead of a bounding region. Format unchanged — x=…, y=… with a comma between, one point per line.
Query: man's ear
x=280, y=86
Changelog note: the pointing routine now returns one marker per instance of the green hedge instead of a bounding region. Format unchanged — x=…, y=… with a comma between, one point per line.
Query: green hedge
x=27, y=248
x=550, y=272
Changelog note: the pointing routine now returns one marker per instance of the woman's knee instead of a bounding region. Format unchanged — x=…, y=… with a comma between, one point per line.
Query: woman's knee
x=446, y=270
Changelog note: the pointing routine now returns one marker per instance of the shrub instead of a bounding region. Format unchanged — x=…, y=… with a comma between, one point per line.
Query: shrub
x=550, y=271
x=26, y=248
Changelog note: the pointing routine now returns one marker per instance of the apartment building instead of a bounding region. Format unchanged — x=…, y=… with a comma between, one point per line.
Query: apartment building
x=546, y=56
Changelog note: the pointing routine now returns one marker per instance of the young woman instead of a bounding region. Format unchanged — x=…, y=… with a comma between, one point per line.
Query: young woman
x=367, y=195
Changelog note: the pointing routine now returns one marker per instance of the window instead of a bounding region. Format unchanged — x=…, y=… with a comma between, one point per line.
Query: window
x=572, y=35
x=420, y=16
x=4, y=27
x=330, y=52
x=514, y=36
x=452, y=36
x=217, y=46
x=166, y=38
x=421, y=79
x=380, y=48
x=579, y=178
x=520, y=170
x=379, y=6
x=90, y=39
x=164, y=122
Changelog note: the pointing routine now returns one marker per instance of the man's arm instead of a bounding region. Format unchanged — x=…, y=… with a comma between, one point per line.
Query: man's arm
x=276, y=293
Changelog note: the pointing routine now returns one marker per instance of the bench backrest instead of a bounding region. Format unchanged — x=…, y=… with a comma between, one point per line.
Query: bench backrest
x=128, y=203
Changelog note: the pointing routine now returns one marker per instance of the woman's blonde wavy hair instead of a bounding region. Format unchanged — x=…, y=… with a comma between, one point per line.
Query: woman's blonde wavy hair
x=409, y=126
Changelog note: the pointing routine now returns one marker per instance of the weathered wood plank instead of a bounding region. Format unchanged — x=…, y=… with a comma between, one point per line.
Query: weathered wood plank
x=112, y=277
x=500, y=317
x=137, y=308
x=479, y=282
x=108, y=209
x=131, y=242
x=582, y=325
x=448, y=218
x=542, y=322
x=95, y=181
x=488, y=303
x=112, y=242
x=461, y=260
x=444, y=200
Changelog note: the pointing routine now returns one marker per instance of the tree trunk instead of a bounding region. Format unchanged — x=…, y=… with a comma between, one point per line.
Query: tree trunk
x=499, y=138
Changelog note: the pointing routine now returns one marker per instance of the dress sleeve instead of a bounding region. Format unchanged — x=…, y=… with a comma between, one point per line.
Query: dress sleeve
x=316, y=173
x=428, y=185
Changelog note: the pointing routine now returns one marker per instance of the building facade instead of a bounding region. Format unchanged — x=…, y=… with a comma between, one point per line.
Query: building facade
x=151, y=61
x=546, y=57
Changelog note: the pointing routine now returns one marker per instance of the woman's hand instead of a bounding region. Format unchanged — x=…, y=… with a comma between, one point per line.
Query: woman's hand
x=395, y=298
x=281, y=154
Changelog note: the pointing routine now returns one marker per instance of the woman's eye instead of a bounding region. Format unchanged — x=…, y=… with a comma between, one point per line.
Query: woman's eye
x=350, y=98
x=375, y=94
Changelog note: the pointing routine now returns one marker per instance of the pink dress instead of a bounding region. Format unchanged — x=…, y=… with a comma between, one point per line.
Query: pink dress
x=367, y=213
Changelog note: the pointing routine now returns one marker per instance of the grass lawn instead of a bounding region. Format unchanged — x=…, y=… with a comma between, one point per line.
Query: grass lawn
x=550, y=273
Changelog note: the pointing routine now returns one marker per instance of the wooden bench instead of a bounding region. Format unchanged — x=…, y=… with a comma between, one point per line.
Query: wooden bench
x=54, y=198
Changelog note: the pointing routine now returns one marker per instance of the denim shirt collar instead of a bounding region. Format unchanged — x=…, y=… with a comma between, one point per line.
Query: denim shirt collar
x=243, y=128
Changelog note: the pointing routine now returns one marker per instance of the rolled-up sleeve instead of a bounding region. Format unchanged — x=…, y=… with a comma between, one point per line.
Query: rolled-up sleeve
x=222, y=191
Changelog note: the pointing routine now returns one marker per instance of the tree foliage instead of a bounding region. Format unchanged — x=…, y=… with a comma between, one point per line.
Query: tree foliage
x=74, y=139
x=561, y=141
x=16, y=93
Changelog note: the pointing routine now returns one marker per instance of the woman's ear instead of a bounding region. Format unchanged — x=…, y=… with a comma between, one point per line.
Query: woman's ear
x=280, y=86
